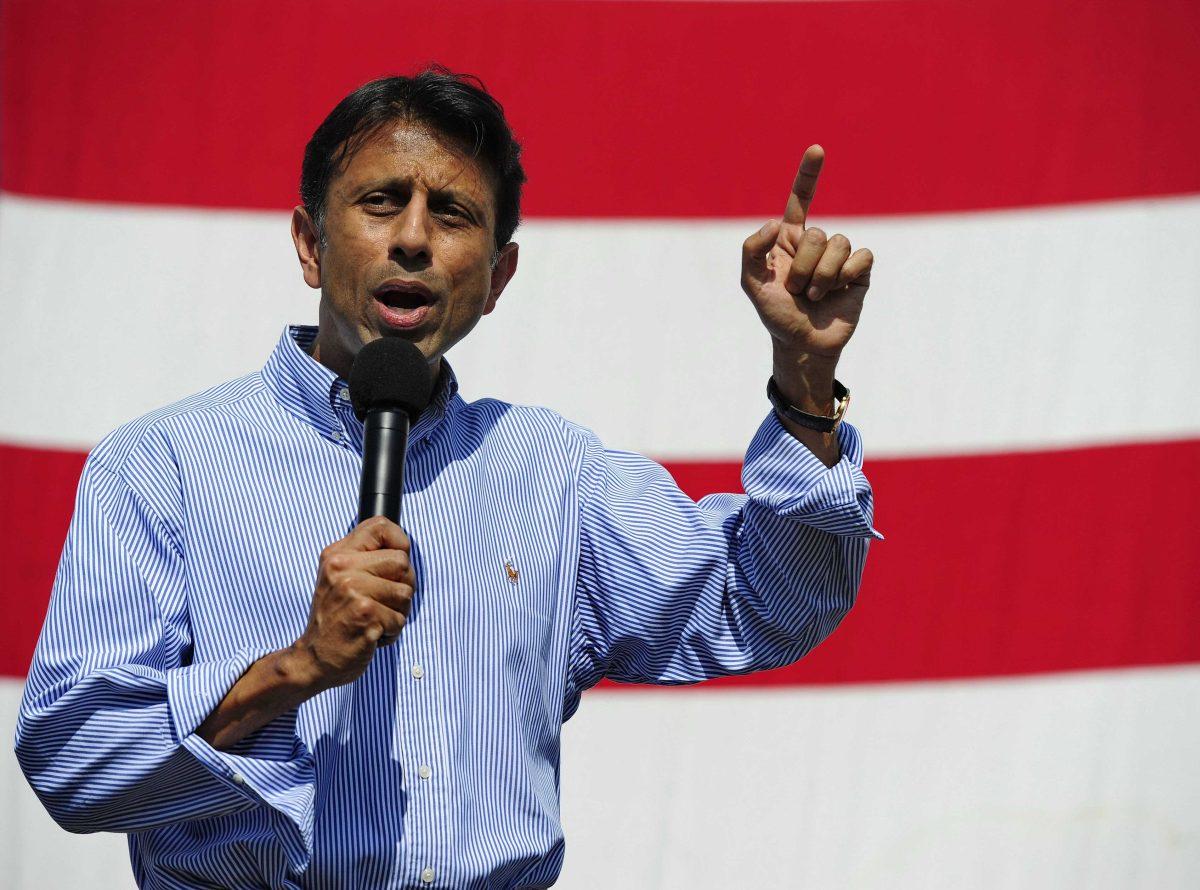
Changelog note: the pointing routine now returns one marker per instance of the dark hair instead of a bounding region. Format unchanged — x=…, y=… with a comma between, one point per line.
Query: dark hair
x=456, y=105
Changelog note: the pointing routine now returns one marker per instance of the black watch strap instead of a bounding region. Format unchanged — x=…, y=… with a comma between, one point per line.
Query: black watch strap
x=841, y=399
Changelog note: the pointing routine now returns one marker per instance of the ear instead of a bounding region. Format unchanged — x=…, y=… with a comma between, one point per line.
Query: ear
x=505, y=269
x=308, y=246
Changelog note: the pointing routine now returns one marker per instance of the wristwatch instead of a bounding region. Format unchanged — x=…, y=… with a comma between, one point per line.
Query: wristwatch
x=818, y=422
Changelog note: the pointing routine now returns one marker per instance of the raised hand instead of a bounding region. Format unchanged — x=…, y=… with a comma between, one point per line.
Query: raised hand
x=808, y=288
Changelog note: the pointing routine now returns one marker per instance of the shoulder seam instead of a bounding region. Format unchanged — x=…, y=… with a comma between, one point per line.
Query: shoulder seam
x=150, y=512
x=152, y=421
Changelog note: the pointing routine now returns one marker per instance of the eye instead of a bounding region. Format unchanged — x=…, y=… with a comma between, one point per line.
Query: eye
x=454, y=215
x=379, y=201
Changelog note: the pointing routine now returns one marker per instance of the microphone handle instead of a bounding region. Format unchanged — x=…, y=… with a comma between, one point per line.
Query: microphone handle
x=385, y=439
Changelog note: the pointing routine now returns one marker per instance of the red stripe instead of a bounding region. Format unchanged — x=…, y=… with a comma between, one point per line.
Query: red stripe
x=37, y=489
x=626, y=108
x=1017, y=564
x=996, y=565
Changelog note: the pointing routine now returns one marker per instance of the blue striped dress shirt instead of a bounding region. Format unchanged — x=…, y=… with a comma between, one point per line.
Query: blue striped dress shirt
x=544, y=562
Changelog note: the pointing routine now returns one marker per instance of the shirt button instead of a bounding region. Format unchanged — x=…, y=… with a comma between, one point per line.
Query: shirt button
x=424, y=771
x=344, y=394
x=337, y=435
x=427, y=876
x=238, y=779
x=418, y=672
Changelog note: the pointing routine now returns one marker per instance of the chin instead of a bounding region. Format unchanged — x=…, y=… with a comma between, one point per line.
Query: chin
x=419, y=339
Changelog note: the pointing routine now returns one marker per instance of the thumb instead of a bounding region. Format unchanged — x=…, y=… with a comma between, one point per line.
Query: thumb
x=757, y=246
x=754, y=257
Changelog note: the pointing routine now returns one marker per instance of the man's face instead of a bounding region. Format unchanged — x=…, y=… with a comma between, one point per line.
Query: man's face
x=409, y=238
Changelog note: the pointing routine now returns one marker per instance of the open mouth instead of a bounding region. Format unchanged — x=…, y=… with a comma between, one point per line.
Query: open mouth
x=404, y=294
x=403, y=304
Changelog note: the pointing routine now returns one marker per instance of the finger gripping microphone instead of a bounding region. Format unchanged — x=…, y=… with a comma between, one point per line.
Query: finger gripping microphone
x=390, y=385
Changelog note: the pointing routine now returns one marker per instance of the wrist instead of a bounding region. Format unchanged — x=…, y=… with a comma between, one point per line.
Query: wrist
x=298, y=673
x=805, y=379
x=273, y=685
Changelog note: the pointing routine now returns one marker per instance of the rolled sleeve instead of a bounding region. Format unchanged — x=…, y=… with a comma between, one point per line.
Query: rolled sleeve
x=271, y=766
x=674, y=591
x=782, y=475
x=106, y=734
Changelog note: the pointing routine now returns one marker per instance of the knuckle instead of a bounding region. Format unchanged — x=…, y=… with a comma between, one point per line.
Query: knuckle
x=336, y=562
x=840, y=241
x=379, y=526
x=363, y=611
x=814, y=235
x=801, y=268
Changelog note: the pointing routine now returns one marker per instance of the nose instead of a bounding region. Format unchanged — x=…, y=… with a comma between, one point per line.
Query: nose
x=410, y=236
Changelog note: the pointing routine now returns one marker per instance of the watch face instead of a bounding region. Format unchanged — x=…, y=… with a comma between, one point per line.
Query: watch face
x=843, y=403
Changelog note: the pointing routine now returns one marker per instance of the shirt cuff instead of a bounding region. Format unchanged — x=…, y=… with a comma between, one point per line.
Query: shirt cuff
x=781, y=474
x=271, y=766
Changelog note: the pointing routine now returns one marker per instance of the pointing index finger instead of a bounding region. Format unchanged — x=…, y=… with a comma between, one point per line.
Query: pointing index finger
x=805, y=185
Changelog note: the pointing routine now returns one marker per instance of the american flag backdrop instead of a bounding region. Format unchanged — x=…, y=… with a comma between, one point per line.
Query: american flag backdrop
x=1015, y=701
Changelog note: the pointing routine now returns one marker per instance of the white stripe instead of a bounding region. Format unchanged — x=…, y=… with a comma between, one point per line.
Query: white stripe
x=983, y=332
x=1082, y=780
x=1071, y=781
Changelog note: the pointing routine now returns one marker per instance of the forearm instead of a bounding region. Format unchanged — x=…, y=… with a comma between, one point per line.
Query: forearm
x=758, y=598
x=675, y=592
x=103, y=755
x=806, y=382
x=796, y=559
x=272, y=686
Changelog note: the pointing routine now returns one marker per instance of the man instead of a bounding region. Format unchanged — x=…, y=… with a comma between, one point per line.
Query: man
x=398, y=725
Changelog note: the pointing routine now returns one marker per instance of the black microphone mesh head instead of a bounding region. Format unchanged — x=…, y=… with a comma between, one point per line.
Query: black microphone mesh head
x=390, y=373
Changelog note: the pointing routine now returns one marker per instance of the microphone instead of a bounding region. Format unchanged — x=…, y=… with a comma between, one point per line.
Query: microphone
x=390, y=385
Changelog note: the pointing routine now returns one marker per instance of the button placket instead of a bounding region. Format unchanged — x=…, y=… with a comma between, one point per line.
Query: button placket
x=424, y=771
x=415, y=683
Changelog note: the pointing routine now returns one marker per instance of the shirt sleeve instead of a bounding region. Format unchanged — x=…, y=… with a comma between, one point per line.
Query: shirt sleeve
x=106, y=733
x=672, y=591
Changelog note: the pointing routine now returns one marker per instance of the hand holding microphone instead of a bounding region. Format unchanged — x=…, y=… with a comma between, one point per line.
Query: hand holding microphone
x=365, y=581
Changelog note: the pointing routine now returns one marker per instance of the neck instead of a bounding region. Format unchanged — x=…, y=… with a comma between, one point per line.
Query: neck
x=339, y=360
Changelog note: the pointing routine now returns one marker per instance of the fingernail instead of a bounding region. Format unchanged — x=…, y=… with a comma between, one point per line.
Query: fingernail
x=814, y=293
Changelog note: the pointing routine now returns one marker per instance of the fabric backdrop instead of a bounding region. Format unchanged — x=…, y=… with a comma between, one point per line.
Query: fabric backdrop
x=1015, y=701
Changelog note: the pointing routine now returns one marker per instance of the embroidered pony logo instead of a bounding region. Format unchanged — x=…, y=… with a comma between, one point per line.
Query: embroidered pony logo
x=511, y=571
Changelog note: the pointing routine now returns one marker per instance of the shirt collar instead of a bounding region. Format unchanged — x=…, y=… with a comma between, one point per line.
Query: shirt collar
x=320, y=398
